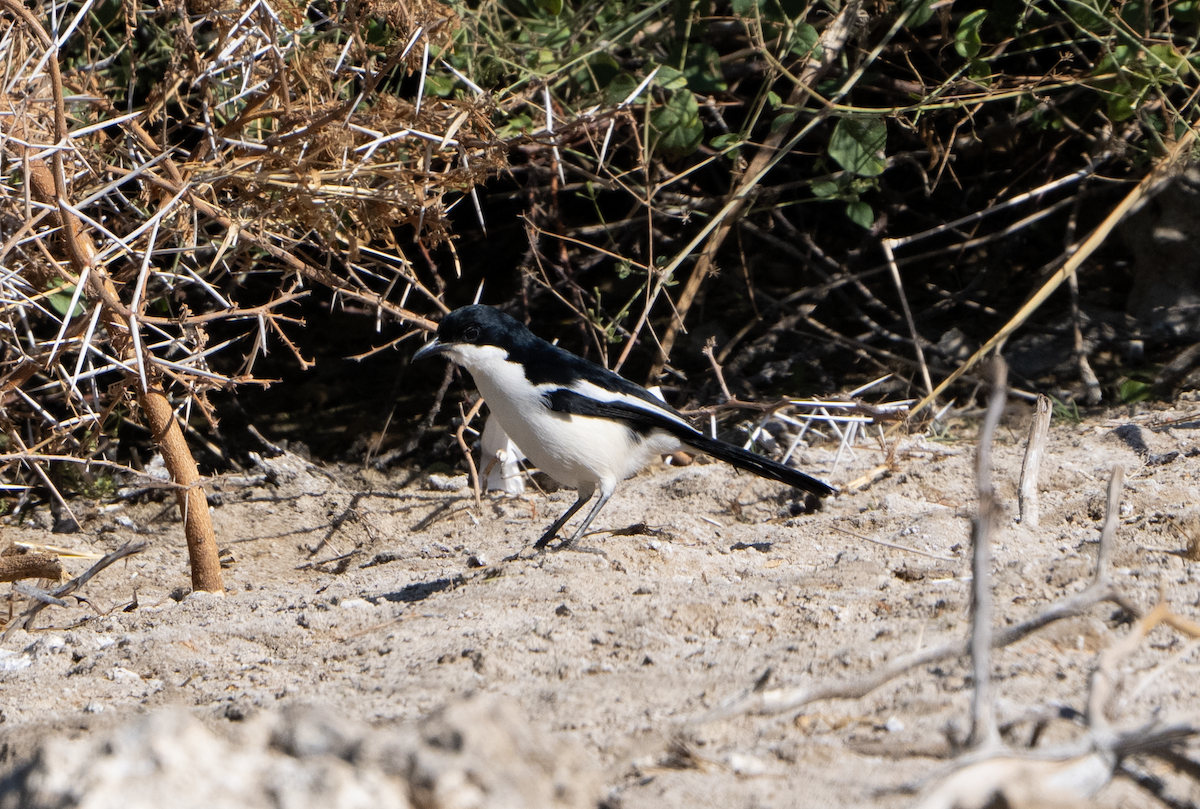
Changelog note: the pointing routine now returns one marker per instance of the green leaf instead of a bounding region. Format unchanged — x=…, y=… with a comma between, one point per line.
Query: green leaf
x=379, y=33
x=861, y=214
x=1120, y=107
x=979, y=71
x=440, y=86
x=553, y=7
x=825, y=189
x=857, y=145
x=597, y=72
x=678, y=125
x=782, y=121
x=60, y=301
x=724, y=141
x=669, y=78
x=746, y=8
x=773, y=99
x=966, y=38
x=620, y=87
x=1134, y=390
x=1136, y=14
x=701, y=67
x=1168, y=61
x=805, y=42
x=921, y=12
x=516, y=125
x=1087, y=14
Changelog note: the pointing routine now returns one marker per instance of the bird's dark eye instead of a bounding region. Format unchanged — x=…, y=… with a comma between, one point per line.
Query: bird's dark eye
x=471, y=334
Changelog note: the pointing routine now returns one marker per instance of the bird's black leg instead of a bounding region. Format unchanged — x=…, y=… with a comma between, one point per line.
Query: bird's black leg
x=604, y=495
x=584, y=496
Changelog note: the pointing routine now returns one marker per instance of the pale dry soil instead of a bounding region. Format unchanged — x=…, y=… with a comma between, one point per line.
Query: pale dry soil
x=383, y=599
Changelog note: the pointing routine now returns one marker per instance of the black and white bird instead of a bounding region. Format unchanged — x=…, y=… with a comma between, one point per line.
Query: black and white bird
x=578, y=422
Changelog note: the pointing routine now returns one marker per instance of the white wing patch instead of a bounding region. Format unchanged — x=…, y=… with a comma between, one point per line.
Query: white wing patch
x=594, y=391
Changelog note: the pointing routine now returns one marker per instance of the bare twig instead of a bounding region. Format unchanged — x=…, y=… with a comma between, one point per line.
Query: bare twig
x=1112, y=517
x=984, y=732
x=1027, y=490
x=460, y=435
x=780, y=700
x=908, y=316
x=894, y=546
x=25, y=620
x=1104, y=678
x=709, y=345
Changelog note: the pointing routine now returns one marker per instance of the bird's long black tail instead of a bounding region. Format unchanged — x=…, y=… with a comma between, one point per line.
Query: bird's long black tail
x=759, y=465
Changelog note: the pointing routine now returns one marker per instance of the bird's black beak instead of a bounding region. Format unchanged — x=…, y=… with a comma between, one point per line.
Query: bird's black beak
x=430, y=349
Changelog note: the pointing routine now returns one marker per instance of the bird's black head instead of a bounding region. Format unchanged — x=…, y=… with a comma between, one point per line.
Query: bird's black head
x=476, y=326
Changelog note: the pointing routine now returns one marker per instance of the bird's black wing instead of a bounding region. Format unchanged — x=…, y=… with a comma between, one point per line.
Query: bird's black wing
x=641, y=415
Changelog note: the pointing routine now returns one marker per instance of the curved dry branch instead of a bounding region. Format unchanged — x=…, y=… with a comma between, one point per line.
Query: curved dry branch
x=121, y=324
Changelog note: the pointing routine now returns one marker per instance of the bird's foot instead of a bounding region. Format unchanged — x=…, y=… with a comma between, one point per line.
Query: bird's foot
x=569, y=545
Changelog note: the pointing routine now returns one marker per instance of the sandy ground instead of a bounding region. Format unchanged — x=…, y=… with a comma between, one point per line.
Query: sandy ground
x=382, y=599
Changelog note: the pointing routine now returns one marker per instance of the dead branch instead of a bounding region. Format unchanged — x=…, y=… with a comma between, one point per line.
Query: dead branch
x=1104, y=678
x=193, y=502
x=1027, y=490
x=790, y=699
x=29, y=566
x=460, y=435
x=1112, y=517
x=25, y=620
x=120, y=322
x=908, y=316
x=709, y=345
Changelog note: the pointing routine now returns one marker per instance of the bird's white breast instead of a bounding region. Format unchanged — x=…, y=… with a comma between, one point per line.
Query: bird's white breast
x=577, y=451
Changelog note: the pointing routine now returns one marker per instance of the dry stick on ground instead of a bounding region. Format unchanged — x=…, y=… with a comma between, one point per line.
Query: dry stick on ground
x=789, y=699
x=1070, y=775
x=25, y=620
x=1027, y=490
x=29, y=566
x=202, y=545
x=984, y=732
x=1112, y=517
x=1181, y=149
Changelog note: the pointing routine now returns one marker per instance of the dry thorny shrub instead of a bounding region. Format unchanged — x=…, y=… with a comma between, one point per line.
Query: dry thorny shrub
x=259, y=148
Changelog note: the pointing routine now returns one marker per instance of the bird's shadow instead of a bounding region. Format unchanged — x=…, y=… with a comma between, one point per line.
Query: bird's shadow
x=419, y=591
